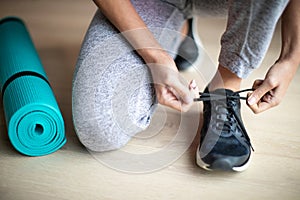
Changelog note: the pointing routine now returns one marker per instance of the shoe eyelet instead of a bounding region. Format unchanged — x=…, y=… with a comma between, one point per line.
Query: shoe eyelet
x=219, y=117
x=219, y=125
x=217, y=108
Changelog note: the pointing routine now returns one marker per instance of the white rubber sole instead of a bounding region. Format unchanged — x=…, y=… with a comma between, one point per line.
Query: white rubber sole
x=206, y=166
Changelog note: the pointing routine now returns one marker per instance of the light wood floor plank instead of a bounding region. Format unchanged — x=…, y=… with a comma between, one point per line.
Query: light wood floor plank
x=57, y=28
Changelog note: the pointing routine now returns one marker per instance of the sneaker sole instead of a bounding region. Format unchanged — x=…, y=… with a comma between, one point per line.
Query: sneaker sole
x=220, y=164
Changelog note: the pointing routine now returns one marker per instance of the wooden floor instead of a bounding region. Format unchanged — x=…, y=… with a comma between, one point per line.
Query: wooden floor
x=57, y=28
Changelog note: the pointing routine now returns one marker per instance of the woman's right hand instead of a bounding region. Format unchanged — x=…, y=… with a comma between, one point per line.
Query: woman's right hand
x=171, y=89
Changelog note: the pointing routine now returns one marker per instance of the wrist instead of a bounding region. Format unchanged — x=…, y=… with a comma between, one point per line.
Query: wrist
x=159, y=56
x=286, y=68
x=291, y=61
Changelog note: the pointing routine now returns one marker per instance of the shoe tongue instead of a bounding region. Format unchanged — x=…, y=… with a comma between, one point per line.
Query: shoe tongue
x=222, y=91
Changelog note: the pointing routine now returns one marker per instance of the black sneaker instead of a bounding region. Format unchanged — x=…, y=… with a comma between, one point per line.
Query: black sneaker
x=189, y=50
x=224, y=142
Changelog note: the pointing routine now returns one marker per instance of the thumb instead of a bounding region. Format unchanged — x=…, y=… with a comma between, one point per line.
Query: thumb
x=260, y=89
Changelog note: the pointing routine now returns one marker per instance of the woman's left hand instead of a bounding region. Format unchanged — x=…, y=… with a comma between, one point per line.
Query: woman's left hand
x=270, y=91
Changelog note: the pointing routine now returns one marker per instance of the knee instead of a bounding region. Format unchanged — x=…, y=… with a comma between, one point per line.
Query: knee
x=99, y=139
x=106, y=132
x=104, y=144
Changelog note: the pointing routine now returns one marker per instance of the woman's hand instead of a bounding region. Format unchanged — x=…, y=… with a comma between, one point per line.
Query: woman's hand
x=270, y=91
x=171, y=89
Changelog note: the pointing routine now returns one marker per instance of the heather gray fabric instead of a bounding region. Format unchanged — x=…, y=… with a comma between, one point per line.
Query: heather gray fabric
x=250, y=27
x=112, y=95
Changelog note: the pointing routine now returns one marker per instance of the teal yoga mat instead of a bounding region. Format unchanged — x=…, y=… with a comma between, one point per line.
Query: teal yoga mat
x=34, y=122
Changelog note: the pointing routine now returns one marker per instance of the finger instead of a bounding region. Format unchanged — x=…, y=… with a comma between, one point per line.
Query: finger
x=260, y=107
x=266, y=102
x=178, y=105
x=192, y=85
x=259, y=92
x=194, y=88
x=166, y=96
x=175, y=104
x=257, y=83
x=170, y=79
x=268, y=97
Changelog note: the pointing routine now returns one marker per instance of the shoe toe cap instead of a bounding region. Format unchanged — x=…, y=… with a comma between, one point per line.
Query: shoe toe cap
x=225, y=162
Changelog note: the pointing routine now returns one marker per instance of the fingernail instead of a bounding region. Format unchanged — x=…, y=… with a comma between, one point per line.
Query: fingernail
x=193, y=84
x=251, y=100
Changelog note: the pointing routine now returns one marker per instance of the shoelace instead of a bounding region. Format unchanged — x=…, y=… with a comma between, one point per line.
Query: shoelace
x=209, y=96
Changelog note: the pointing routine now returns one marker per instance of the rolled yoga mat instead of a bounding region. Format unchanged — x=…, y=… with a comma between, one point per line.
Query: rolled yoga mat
x=34, y=122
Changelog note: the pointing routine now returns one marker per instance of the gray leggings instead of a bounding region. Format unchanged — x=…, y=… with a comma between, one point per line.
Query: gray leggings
x=112, y=95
